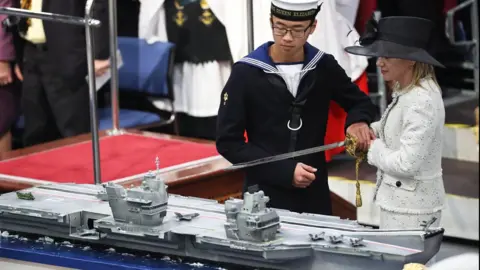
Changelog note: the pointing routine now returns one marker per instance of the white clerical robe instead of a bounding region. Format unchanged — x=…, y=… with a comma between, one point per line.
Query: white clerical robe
x=197, y=87
x=348, y=9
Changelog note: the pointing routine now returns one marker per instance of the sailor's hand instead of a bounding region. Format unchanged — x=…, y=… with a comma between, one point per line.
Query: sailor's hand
x=101, y=66
x=303, y=175
x=372, y=134
x=5, y=73
x=362, y=133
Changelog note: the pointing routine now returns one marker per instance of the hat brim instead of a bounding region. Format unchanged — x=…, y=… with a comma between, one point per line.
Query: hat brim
x=382, y=48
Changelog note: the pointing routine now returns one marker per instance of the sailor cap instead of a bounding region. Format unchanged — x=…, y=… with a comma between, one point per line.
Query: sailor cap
x=295, y=10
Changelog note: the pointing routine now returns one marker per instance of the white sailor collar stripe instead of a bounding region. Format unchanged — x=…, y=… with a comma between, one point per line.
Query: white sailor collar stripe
x=266, y=67
x=312, y=64
x=259, y=64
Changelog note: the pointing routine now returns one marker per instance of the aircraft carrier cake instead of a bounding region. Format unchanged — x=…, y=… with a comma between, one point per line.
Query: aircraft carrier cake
x=242, y=231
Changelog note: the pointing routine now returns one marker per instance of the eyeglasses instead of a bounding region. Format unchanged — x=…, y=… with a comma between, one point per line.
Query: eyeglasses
x=296, y=33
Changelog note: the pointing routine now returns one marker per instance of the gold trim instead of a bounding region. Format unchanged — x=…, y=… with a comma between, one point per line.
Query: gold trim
x=180, y=18
x=225, y=98
x=207, y=17
x=177, y=5
x=204, y=4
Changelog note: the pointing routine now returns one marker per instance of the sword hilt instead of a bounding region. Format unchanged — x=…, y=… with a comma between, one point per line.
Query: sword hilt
x=351, y=148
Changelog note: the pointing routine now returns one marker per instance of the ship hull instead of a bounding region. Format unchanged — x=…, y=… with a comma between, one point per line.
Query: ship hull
x=74, y=212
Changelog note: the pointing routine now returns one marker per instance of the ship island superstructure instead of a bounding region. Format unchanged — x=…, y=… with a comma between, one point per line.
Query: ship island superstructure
x=250, y=219
x=241, y=231
x=144, y=205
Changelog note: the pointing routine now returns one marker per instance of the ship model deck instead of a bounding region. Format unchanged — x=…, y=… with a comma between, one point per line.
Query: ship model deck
x=243, y=232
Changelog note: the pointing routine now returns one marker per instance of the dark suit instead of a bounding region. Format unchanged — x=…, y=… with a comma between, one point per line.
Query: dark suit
x=55, y=92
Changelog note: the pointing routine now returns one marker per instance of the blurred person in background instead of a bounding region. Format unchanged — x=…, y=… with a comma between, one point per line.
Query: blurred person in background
x=432, y=10
x=8, y=97
x=348, y=9
x=55, y=96
x=435, y=11
x=202, y=61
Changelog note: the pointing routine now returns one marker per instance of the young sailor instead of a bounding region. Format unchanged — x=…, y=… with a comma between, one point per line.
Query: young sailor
x=280, y=94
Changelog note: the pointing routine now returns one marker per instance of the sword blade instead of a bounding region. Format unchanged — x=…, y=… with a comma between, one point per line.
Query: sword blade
x=275, y=158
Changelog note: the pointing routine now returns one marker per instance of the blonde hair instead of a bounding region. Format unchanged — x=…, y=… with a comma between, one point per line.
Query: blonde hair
x=420, y=71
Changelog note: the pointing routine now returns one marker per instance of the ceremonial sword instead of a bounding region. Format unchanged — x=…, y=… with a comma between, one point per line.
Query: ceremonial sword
x=304, y=152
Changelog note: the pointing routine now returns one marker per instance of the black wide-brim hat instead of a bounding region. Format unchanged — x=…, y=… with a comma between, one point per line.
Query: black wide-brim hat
x=397, y=37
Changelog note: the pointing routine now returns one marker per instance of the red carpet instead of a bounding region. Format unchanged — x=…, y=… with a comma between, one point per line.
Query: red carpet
x=120, y=156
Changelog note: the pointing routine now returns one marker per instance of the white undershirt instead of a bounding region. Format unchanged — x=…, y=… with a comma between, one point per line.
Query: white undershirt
x=291, y=75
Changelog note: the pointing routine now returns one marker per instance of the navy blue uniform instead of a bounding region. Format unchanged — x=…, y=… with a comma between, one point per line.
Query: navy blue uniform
x=257, y=100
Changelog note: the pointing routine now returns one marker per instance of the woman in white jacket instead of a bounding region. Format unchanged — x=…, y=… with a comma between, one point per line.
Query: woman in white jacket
x=407, y=149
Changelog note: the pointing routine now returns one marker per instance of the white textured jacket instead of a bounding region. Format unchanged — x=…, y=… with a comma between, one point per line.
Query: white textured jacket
x=408, y=151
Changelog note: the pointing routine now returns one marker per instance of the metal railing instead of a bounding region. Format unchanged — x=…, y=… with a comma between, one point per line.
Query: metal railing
x=113, y=32
x=88, y=22
x=250, y=25
x=450, y=33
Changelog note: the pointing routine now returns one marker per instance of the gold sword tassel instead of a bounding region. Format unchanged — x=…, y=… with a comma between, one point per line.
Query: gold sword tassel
x=360, y=156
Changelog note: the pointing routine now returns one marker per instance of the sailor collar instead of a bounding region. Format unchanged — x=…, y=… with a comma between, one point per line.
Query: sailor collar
x=261, y=59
